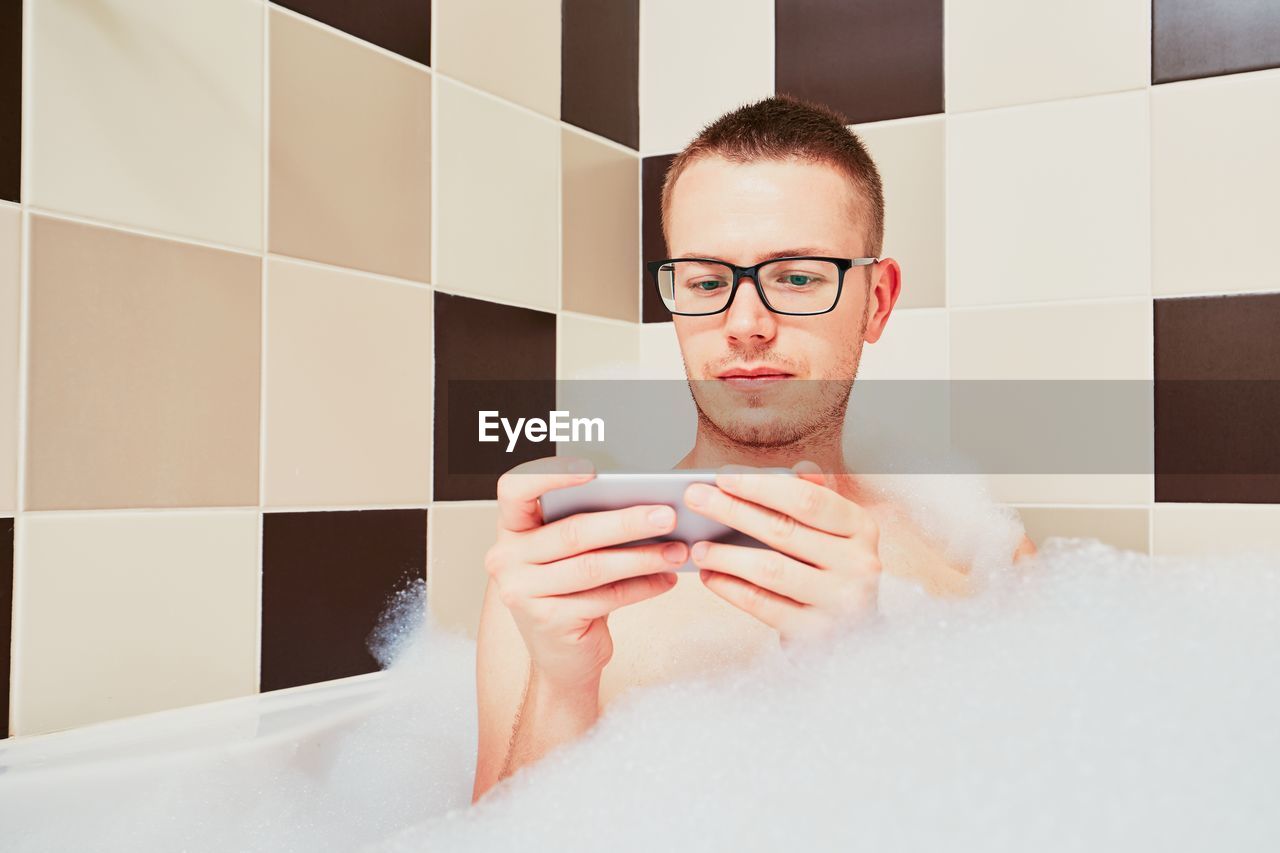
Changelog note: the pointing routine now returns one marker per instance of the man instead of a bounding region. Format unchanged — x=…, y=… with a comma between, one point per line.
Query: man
x=785, y=190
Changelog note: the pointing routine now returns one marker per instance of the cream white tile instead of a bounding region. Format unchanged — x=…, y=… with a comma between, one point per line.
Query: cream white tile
x=597, y=349
x=1049, y=201
x=122, y=613
x=508, y=47
x=913, y=346
x=911, y=158
x=679, y=96
x=149, y=113
x=1215, y=178
x=1180, y=530
x=459, y=536
x=660, y=356
x=10, y=327
x=1079, y=340
x=1001, y=52
x=497, y=199
x=349, y=402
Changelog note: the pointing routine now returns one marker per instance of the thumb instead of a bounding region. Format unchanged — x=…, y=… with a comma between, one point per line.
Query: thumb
x=809, y=470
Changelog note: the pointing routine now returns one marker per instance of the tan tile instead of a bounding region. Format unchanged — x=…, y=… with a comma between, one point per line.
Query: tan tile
x=498, y=169
x=601, y=226
x=1213, y=148
x=1121, y=527
x=149, y=113
x=911, y=158
x=10, y=329
x=348, y=373
x=350, y=174
x=522, y=35
x=1096, y=340
x=459, y=536
x=124, y=613
x=144, y=371
x=1183, y=530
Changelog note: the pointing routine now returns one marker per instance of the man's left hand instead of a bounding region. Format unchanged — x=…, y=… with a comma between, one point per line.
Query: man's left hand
x=822, y=567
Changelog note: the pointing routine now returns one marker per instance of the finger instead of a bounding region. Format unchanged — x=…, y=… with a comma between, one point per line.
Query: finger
x=811, y=471
x=587, y=531
x=520, y=488
x=812, y=503
x=776, y=611
x=603, y=566
x=779, y=531
x=594, y=603
x=770, y=570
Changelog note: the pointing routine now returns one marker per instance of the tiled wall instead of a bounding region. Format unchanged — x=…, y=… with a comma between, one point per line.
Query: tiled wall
x=243, y=245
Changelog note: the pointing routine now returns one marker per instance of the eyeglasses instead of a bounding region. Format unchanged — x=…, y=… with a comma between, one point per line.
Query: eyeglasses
x=795, y=285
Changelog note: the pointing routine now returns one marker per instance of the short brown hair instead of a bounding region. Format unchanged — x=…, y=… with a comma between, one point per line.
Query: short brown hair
x=781, y=127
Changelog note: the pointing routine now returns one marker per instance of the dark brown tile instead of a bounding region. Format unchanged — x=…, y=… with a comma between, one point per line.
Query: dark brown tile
x=326, y=579
x=1203, y=38
x=654, y=246
x=401, y=26
x=868, y=59
x=6, y=618
x=1217, y=399
x=600, y=68
x=495, y=357
x=10, y=98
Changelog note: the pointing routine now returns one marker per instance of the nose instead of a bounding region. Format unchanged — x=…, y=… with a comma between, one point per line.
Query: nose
x=747, y=317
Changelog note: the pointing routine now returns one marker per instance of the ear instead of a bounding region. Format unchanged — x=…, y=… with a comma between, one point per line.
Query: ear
x=883, y=295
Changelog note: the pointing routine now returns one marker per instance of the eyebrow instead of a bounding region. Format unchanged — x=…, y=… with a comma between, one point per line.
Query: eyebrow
x=780, y=253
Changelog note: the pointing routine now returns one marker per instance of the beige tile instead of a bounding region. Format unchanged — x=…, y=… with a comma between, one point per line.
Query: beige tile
x=149, y=113
x=588, y=348
x=677, y=96
x=600, y=206
x=1215, y=178
x=1181, y=530
x=498, y=199
x=1101, y=340
x=1049, y=202
x=660, y=356
x=10, y=329
x=348, y=373
x=350, y=173
x=508, y=47
x=125, y=613
x=1121, y=527
x=1083, y=340
x=913, y=346
x=459, y=536
x=144, y=371
x=1002, y=52
x=911, y=158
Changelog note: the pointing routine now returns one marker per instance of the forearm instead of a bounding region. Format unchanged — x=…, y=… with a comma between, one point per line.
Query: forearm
x=549, y=716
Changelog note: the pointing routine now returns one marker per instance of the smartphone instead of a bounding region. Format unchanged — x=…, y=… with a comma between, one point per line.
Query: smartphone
x=609, y=490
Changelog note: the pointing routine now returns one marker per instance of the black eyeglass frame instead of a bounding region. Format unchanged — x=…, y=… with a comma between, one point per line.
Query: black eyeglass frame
x=752, y=272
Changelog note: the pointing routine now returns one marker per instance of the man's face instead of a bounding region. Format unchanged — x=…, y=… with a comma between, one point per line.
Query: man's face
x=744, y=213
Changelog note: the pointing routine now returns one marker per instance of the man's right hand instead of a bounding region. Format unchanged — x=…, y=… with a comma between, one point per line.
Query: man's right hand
x=562, y=580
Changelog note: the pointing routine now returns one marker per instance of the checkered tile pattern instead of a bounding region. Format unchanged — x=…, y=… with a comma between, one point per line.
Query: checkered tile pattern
x=243, y=245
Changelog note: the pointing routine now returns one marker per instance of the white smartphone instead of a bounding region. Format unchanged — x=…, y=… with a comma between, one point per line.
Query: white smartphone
x=610, y=490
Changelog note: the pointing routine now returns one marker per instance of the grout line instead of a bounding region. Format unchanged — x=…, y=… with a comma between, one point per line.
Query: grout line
x=143, y=232
x=348, y=37
x=262, y=341
x=328, y=267
x=494, y=299
x=1051, y=303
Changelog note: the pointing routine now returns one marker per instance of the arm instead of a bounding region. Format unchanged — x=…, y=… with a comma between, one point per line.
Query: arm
x=520, y=717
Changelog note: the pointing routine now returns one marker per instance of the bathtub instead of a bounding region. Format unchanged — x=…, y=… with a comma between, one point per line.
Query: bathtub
x=1105, y=700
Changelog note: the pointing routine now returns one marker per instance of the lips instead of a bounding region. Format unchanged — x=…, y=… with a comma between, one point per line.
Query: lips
x=761, y=375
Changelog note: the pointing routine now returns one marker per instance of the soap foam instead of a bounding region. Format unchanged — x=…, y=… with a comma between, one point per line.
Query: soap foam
x=1094, y=698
